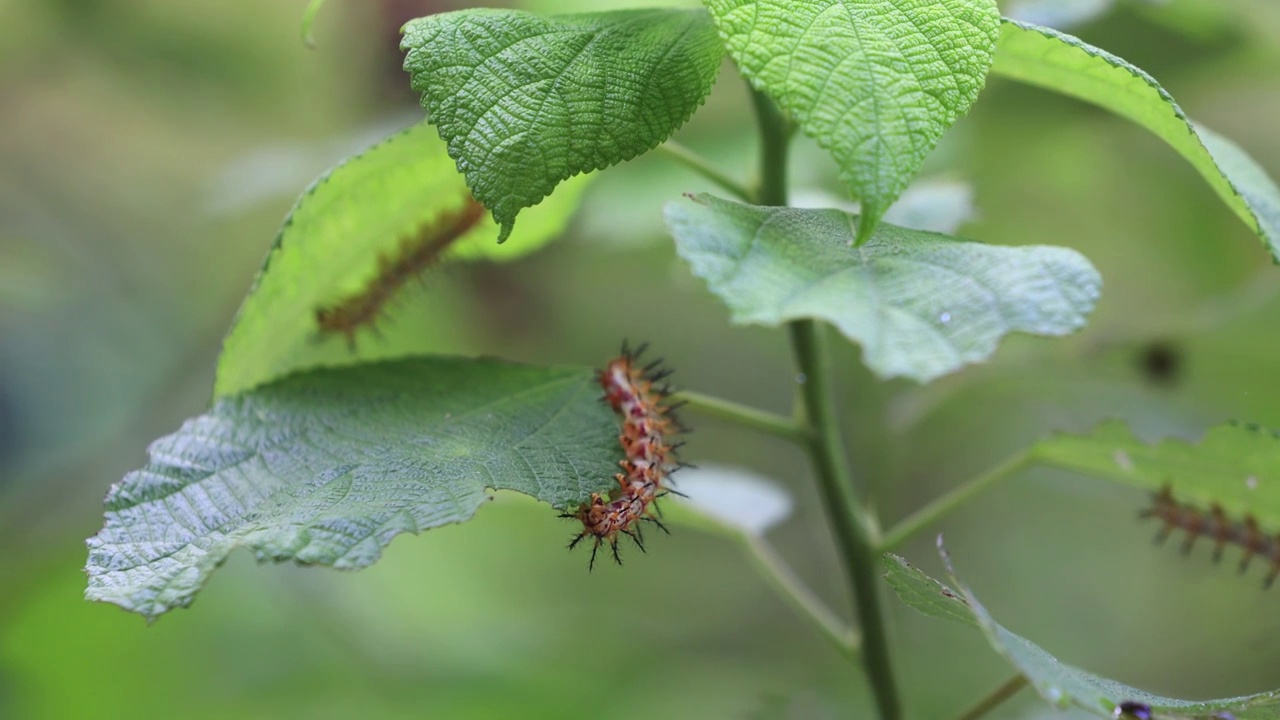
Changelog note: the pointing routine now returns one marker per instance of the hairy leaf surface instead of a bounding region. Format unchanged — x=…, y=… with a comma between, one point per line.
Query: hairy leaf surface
x=526, y=101
x=921, y=304
x=875, y=82
x=326, y=467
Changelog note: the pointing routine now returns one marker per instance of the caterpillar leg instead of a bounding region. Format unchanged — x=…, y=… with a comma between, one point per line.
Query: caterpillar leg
x=636, y=537
x=657, y=522
x=594, y=548
x=1252, y=541
x=1221, y=531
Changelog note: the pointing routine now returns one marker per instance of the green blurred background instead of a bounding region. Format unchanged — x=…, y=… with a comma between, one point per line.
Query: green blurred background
x=148, y=150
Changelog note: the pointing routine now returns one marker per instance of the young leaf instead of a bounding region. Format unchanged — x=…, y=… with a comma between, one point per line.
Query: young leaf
x=920, y=304
x=1236, y=467
x=874, y=82
x=1065, y=64
x=1059, y=684
x=330, y=245
x=526, y=101
x=326, y=467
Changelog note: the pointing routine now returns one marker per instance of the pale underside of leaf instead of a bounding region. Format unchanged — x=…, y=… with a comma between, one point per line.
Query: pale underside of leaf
x=1059, y=14
x=1065, y=64
x=875, y=82
x=326, y=467
x=1058, y=683
x=920, y=304
x=1235, y=467
x=935, y=204
x=733, y=497
x=332, y=243
x=526, y=101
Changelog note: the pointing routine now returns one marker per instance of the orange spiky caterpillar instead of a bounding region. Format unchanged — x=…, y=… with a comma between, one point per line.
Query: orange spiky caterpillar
x=1214, y=524
x=416, y=253
x=648, y=422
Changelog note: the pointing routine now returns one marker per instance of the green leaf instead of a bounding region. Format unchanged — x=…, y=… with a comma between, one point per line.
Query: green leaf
x=327, y=467
x=920, y=304
x=1059, y=684
x=526, y=101
x=731, y=500
x=1065, y=64
x=875, y=82
x=1236, y=467
x=330, y=245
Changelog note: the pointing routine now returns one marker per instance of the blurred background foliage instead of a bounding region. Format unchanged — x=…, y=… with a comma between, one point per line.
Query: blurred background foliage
x=148, y=150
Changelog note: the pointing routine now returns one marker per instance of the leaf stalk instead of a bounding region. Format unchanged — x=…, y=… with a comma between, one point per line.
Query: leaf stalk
x=996, y=697
x=942, y=506
x=749, y=417
x=703, y=167
x=779, y=574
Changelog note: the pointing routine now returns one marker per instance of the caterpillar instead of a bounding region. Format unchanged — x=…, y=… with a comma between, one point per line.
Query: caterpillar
x=649, y=458
x=416, y=253
x=1215, y=524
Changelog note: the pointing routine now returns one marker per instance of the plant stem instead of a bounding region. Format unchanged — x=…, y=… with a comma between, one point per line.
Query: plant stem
x=942, y=506
x=996, y=697
x=703, y=167
x=855, y=528
x=775, y=139
x=729, y=411
x=308, y=20
x=784, y=580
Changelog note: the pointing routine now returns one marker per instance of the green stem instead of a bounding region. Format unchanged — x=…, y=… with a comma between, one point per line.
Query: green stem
x=703, y=167
x=308, y=20
x=942, y=506
x=996, y=697
x=775, y=140
x=854, y=526
x=729, y=411
x=784, y=580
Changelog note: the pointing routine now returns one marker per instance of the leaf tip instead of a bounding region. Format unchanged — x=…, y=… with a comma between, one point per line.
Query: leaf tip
x=505, y=231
